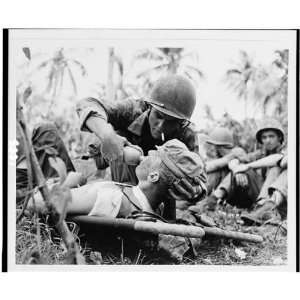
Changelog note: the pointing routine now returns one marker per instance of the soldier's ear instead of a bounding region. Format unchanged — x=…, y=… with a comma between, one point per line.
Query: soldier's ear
x=153, y=177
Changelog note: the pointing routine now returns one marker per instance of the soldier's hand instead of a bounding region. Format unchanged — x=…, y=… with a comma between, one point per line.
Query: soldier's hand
x=241, y=168
x=239, y=153
x=113, y=147
x=187, y=192
x=241, y=179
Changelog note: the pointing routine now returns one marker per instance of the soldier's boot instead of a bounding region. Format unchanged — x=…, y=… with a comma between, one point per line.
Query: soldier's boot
x=264, y=213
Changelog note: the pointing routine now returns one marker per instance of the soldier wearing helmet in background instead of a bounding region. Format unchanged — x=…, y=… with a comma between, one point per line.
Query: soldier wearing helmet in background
x=146, y=123
x=238, y=189
x=271, y=164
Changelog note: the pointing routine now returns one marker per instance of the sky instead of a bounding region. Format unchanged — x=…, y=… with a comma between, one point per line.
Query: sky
x=215, y=57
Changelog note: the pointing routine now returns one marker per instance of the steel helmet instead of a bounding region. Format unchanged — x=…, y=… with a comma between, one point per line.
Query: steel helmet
x=221, y=137
x=269, y=124
x=174, y=95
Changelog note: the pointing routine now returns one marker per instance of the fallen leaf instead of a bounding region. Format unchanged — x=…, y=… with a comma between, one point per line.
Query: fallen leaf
x=240, y=253
x=277, y=260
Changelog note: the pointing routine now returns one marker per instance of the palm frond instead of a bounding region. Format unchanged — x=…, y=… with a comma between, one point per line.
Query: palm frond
x=233, y=72
x=119, y=62
x=62, y=74
x=157, y=68
x=72, y=79
x=55, y=84
x=81, y=66
x=51, y=77
x=27, y=52
x=152, y=54
x=44, y=63
x=189, y=76
x=195, y=70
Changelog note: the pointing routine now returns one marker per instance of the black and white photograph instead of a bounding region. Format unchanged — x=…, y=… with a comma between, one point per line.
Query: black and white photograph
x=151, y=148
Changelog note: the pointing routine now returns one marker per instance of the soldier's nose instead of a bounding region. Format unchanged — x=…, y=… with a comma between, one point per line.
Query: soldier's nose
x=160, y=124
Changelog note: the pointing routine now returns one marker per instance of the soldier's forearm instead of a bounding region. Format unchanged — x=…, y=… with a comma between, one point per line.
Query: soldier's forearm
x=100, y=127
x=269, y=161
x=233, y=163
x=216, y=164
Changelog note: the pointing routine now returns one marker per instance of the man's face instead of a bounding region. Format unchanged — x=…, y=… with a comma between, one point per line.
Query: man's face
x=223, y=150
x=147, y=163
x=162, y=124
x=270, y=140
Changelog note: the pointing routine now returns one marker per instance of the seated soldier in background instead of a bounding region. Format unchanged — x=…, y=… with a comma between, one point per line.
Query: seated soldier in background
x=46, y=143
x=238, y=189
x=156, y=174
x=271, y=165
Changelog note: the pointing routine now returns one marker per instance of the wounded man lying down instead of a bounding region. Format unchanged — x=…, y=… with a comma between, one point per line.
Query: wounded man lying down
x=156, y=173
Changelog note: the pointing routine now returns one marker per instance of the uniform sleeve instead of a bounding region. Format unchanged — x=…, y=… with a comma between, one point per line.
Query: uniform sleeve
x=88, y=107
x=119, y=113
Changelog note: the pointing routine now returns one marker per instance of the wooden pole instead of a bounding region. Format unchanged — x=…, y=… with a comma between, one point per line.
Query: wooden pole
x=141, y=226
x=164, y=228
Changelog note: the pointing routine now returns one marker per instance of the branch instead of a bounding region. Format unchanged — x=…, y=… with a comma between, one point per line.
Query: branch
x=35, y=170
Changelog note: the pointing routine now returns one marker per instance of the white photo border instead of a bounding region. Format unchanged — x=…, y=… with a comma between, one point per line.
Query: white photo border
x=19, y=38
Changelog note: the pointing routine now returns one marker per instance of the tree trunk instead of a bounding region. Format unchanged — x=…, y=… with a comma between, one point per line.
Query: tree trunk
x=246, y=107
x=110, y=93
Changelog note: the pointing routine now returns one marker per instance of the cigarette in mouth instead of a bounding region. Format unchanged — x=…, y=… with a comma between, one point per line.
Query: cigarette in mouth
x=162, y=137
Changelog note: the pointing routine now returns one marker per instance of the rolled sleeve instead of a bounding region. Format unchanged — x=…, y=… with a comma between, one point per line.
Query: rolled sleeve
x=88, y=107
x=118, y=113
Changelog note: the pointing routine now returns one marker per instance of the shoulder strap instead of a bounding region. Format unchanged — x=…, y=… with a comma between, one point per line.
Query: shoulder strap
x=129, y=195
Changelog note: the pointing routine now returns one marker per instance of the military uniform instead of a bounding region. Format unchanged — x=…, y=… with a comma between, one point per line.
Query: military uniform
x=46, y=143
x=268, y=176
x=273, y=178
x=243, y=197
x=222, y=177
x=129, y=119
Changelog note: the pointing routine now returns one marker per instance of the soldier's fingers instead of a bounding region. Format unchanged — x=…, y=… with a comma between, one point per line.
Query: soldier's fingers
x=187, y=186
x=238, y=179
x=183, y=191
x=198, y=191
x=244, y=180
x=174, y=195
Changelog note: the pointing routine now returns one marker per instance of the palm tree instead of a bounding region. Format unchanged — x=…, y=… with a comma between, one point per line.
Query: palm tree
x=59, y=65
x=115, y=91
x=272, y=84
x=279, y=93
x=241, y=77
x=163, y=61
